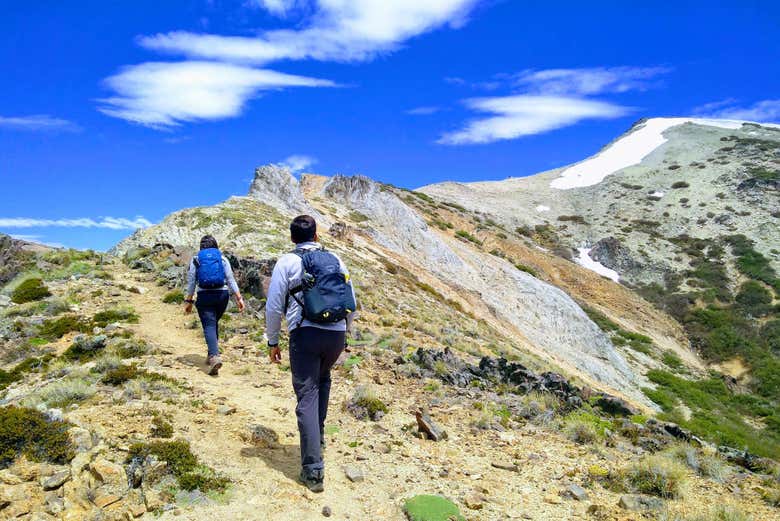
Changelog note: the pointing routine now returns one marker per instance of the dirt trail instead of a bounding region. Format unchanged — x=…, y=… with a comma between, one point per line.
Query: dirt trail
x=265, y=479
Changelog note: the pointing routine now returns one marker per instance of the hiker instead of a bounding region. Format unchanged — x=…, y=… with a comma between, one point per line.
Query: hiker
x=210, y=271
x=310, y=287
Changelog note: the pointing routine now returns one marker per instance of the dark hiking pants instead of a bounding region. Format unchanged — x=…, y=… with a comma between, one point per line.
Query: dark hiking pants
x=313, y=352
x=211, y=306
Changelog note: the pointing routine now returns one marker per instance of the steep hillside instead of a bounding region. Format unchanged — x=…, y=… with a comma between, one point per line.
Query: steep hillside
x=685, y=212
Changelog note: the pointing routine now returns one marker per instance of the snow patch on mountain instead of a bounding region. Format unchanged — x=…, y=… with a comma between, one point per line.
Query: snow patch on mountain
x=584, y=260
x=542, y=208
x=628, y=150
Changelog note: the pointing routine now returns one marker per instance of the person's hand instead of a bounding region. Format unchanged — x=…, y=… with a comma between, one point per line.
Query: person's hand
x=188, y=308
x=275, y=354
x=240, y=304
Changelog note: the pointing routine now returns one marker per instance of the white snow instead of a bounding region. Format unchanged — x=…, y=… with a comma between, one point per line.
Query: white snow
x=628, y=151
x=542, y=208
x=585, y=261
x=657, y=194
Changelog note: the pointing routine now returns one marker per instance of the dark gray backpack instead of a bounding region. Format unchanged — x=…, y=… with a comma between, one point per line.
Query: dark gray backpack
x=326, y=294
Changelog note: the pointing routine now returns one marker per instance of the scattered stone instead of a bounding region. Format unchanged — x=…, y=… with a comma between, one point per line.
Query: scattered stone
x=56, y=480
x=552, y=499
x=5, y=301
x=354, y=474
x=9, y=478
x=615, y=406
x=326, y=511
x=575, y=491
x=512, y=467
x=426, y=425
x=226, y=410
x=474, y=501
x=103, y=500
x=54, y=503
x=638, y=502
x=81, y=439
x=262, y=436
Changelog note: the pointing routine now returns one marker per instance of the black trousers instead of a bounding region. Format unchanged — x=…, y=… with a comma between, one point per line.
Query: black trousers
x=313, y=352
x=211, y=306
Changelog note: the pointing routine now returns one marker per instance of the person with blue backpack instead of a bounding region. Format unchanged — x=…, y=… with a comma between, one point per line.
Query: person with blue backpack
x=310, y=287
x=211, y=273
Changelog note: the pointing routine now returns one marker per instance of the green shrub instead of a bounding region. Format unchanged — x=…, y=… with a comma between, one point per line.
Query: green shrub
x=30, y=290
x=109, y=316
x=204, y=479
x=431, y=508
x=754, y=298
x=64, y=392
x=176, y=454
x=656, y=475
x=672, y=360
x=463, y=234
x=584, y=427
x=680, y=184
x=121, y=374
x=572, y=218
x=175, y=296
x=527, y=269
x=131, y=348
x=357, y=217
x=29, y=432
x=161, y=428
x=59, y=327
x=85, y=348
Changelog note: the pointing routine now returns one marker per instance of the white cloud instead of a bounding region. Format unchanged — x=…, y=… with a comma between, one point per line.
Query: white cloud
x=277, y=7
x=112, y=223
x=761, y=111
x=587, y=81
x=423, y=111
x=298, y=163
x=338, y=30
x=161, y=94
x=522, y=115
x=38, y=122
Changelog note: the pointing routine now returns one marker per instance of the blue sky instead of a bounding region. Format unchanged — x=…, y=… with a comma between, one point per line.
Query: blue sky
x=114, y=114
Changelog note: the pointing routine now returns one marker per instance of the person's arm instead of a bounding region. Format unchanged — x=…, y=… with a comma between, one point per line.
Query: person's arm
x=232, y=285
x=274, y=310
x=192, y=275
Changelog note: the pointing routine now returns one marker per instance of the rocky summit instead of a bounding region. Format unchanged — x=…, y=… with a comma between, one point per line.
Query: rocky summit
x=595, y=342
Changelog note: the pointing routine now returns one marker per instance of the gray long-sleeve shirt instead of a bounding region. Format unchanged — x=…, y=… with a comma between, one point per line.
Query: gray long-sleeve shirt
x=287, y=274
x=230, y=280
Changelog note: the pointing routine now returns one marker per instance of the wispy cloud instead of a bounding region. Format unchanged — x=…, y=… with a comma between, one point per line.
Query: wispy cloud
x=588, y=81
x=161, y=94
x=112, y=223
x=337, y=30
x=423, y=111
x=546, y=100
x=38, y=123
x=297, y=163
x=523, y=115
x=761, y=111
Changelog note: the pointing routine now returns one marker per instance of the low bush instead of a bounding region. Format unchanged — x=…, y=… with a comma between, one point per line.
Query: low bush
x=64, y=392
x=656, y=475
x=161, y=428
x=754, y=298
x=121, y=374
x=57, y=328
x=182, y=463
x=85, y=348
x=463, y=234
x=104, y=318
x=175, y=296
x=721, y=513
x=30, y=433
x=680, y=184
x=585, y=427
x=30, y=290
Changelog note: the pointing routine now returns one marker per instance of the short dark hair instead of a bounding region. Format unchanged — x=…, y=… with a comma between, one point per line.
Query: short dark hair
x=303, y=229
x=207, y=241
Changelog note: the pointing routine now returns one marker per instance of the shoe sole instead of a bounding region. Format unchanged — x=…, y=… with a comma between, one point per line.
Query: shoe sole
x=214, y=371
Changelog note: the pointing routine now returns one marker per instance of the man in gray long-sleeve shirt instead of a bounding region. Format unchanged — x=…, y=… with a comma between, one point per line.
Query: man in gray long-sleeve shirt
x=314, y=348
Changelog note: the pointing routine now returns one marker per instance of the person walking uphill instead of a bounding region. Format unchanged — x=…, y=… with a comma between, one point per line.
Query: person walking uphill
x=211, y=273
x=310, y=287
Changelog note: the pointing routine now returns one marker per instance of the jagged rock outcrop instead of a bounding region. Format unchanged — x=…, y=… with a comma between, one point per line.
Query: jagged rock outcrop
x=275, y=186
x=13, y=258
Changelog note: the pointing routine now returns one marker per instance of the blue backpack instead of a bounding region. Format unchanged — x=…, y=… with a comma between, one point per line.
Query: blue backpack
x=211, y=272
x=327, y=292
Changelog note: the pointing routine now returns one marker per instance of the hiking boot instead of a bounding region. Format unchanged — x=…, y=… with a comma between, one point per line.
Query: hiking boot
x=314, y=482
x=215, y=364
